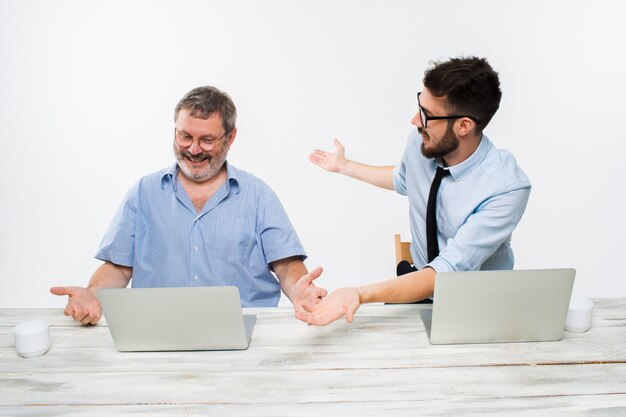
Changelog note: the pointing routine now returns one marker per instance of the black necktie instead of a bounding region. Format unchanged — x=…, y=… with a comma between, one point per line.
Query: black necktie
x=431, y=214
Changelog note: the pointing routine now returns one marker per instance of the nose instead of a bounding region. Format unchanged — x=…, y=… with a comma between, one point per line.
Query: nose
x=417, y=120
x=195, y=148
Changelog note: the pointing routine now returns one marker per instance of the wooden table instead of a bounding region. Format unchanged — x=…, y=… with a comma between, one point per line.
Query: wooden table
x=380, y=365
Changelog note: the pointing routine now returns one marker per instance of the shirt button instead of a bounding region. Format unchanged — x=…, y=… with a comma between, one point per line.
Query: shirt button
x=196, y=277
x=195, y=248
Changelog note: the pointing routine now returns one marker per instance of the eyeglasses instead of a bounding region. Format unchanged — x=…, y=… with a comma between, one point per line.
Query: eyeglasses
x=185, y=140
x=425, y=118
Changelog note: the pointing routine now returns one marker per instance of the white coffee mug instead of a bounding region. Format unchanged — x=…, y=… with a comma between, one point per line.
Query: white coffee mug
x=579, y=315
x=32, y=338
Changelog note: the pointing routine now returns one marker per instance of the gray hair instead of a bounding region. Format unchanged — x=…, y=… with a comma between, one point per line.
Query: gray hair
x=202, y=102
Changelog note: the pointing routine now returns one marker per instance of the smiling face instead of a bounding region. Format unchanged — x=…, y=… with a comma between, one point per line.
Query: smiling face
x=195, y=163
x=438, y=139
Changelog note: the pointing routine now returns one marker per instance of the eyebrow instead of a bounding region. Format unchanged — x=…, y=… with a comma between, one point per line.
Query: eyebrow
x=422, y=107
x=209, y=136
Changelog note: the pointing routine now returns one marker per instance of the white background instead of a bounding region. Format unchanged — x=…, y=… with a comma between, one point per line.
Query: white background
x=87, y=91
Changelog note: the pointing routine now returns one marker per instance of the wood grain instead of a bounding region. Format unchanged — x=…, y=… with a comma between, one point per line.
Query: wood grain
x=382, y=364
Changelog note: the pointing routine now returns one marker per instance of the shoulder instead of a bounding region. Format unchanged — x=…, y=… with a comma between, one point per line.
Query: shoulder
x=249, y=183
x=149, y=185
x=501, y=166
x=157, y=178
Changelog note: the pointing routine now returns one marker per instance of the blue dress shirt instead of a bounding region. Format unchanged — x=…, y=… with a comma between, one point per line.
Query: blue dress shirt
x=231, y=241
x=478, y=206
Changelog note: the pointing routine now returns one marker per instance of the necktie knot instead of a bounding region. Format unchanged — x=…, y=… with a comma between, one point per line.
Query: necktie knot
x=441, y=172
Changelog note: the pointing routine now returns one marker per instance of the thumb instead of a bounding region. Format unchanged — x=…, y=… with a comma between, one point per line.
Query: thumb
x=314, y=274
x=349, y=315
x=338, y=144
x=62, y=290
x=350, y=310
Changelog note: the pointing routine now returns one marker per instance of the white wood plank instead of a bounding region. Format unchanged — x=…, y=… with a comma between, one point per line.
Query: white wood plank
x=381, y=364
x=587, y=405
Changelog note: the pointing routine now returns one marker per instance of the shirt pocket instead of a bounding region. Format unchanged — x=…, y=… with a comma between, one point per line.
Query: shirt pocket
x=233, y=239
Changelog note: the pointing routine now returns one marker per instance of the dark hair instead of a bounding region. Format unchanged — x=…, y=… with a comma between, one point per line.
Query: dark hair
x=470, y=86
x=202, y=102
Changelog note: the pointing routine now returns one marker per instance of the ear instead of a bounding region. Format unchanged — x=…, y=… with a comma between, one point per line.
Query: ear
x=231, y=137
x=465, y=126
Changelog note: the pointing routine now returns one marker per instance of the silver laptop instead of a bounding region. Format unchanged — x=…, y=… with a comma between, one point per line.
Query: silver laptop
x=161, y=319
x=500, y=306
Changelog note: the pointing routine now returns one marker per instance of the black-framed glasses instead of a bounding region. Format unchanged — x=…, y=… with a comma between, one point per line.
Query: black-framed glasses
x=206, y=143
x=425, y=118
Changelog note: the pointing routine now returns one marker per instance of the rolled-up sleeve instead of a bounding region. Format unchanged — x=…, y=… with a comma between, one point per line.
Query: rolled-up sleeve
x=399, y=176
x=117, y=245
x=278, y=237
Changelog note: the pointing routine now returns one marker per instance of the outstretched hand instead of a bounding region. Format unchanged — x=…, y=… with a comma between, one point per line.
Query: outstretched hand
x=344, y=301
x=327, y=160
x=306, y=294
x=82, y=305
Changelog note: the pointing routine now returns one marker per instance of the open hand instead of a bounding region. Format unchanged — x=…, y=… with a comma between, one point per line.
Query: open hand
x=82, y=305
x=344, y=301
x=329, y=161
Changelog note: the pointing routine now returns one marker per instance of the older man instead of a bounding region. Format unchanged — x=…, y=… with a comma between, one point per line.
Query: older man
x=200, y=222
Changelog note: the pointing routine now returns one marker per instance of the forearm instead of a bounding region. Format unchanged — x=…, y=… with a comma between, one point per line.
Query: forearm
x=380, y=176
x=404, y=289
x=289, y=271
x=109, y=275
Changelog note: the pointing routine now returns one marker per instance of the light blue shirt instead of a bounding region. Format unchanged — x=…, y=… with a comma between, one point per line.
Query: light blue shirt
x=478, y=206
x=232, y=241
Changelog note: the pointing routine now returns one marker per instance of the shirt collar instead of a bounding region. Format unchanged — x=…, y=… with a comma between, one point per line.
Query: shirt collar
x=458, y=171
x=232, y=174
x=171, y=175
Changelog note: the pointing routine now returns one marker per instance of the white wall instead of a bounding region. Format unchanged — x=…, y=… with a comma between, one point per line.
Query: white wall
x=87, y=91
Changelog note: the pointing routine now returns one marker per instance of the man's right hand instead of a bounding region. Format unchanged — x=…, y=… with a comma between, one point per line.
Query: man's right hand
x=82, y=305
x=380, y=176
x=329, y=161
x=342, y=302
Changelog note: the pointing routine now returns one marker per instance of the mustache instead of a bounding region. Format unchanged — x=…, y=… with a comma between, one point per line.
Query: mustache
x=422, y=132
x=196, y=158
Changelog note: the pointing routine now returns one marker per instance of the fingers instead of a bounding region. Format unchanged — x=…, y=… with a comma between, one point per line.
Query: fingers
x=69, y=311
x=318, y=157
x=311, y=302
x=319, y=314
x=315, y=319
x=90, y=319
x=318, y=153
x=321, y=292
x=86, y=317
x=302, y=316
x=87, y=312
x=77, y=314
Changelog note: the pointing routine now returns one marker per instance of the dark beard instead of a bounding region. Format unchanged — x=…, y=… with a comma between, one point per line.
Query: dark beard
x=448, y=143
